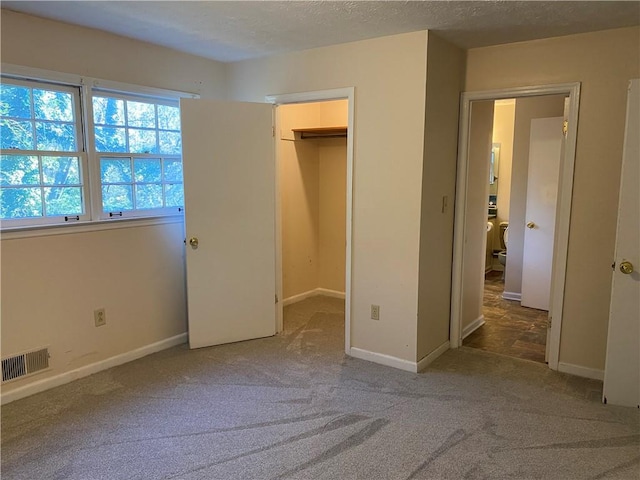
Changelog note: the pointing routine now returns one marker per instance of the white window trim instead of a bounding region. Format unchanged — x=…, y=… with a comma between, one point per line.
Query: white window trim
x=93, y=202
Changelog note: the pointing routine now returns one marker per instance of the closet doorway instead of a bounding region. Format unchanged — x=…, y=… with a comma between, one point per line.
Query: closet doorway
x=313, y=201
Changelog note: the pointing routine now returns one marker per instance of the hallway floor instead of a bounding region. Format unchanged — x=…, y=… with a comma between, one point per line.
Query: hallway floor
x=509, y=329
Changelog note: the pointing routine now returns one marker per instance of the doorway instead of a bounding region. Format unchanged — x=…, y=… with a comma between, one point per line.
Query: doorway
x=473, y=247
x=314, y=161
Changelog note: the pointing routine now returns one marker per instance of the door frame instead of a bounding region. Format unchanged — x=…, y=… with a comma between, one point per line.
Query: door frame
x=563, y=208
x=347, y=93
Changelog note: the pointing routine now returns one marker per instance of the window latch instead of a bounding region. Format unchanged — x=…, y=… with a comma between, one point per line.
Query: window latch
x=115, y=214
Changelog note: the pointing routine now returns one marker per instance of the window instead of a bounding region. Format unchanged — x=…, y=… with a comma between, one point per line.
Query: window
x=139, y=144
x=63, y=144
x=42, y=153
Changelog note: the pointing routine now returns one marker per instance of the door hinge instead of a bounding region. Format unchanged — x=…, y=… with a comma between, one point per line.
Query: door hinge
x=565, y=127
x=273, y=132
x=549, y=322
x=276, y=298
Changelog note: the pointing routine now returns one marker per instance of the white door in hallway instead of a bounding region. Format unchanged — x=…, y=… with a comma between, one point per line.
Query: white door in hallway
x=229, y=180
x=542, y=191
x=622, y=368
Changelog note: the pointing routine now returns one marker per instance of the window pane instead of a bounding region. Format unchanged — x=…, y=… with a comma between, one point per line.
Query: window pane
x=149, y=196
x=141, y=114
x=15, y=101
x=49, y=105
x=115, y=170
x=116, y=198
x=16, y=135
x=19, y=170
x=60, y=171
x=147, y=170
x=20, y=202
x=173, y=195
x=59, y=137
x=63, y=201
x=110, y=139
x=170, y=142
x=173, y=170
x=168, y=117
x=108, y=111
x=142, y=141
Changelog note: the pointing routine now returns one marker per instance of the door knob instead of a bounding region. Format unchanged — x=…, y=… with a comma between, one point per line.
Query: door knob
x=626, y=268
x=193, y=241
x=531, y=225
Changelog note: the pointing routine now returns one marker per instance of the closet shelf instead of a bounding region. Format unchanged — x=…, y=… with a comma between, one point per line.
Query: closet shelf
x=321, y=132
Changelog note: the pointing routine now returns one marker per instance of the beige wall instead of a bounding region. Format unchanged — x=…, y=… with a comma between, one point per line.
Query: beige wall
x=526, y=110
x=503, y=126
x=445, y=73
x=332, y=164
x=299, y=201
x=313, y=199
x=37, y=42
x=480, y=131
x=389, y=76
x=603, y=62
x=52, y=284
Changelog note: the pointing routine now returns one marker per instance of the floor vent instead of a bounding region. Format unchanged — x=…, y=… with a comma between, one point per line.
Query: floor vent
x=24, y=364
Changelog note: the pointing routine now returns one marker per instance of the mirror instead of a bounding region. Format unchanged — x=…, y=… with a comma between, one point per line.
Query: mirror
x=493, y=169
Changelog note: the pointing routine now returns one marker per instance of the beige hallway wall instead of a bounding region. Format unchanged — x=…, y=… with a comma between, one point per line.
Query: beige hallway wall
x=480, y=132
x=526, y=110
x=503, y=127
x=603, y=62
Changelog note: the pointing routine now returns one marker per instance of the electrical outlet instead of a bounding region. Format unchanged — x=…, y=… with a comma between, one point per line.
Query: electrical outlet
x=100, y=317
x=375, y=312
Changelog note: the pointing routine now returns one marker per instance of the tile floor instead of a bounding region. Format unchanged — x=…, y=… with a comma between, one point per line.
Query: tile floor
x=509, y=329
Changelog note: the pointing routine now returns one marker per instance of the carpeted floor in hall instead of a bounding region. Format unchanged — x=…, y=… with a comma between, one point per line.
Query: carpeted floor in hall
x=295, y=407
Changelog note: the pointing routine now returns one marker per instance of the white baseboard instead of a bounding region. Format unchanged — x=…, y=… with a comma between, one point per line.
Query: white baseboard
x=422, y=364
x=70, y=376
x=512, y=296
x=472, y=327
x=382, y=359
x=330, y=293
x=312, y=293
x=579, y=371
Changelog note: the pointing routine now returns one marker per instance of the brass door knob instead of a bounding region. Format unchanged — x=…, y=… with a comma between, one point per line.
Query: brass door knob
x=531, y=225
x=193, y=241
x=626, y=267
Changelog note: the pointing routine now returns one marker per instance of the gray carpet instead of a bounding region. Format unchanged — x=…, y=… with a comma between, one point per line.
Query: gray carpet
x=295, y=407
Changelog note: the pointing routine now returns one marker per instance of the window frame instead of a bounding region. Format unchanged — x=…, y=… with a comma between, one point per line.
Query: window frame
x=93, y=219
x=129, y=96
x=80, y=153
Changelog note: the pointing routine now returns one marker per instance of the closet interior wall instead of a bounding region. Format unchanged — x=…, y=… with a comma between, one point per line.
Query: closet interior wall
x=313, y=199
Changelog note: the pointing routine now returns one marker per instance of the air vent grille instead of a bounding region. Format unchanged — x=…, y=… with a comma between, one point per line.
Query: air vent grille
x=25, y=364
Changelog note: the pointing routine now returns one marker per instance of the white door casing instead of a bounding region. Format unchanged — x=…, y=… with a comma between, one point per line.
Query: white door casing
x=622, y=367
x=347, y=93
x=542, y=191
x=564, y=205
x=229, y=179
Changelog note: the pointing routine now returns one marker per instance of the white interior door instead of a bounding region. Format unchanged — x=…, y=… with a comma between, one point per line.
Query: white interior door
x=622, y=369
x=542, y=191
x=229, y=179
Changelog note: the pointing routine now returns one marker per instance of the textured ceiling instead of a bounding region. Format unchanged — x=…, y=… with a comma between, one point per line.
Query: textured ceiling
x=237, y=30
